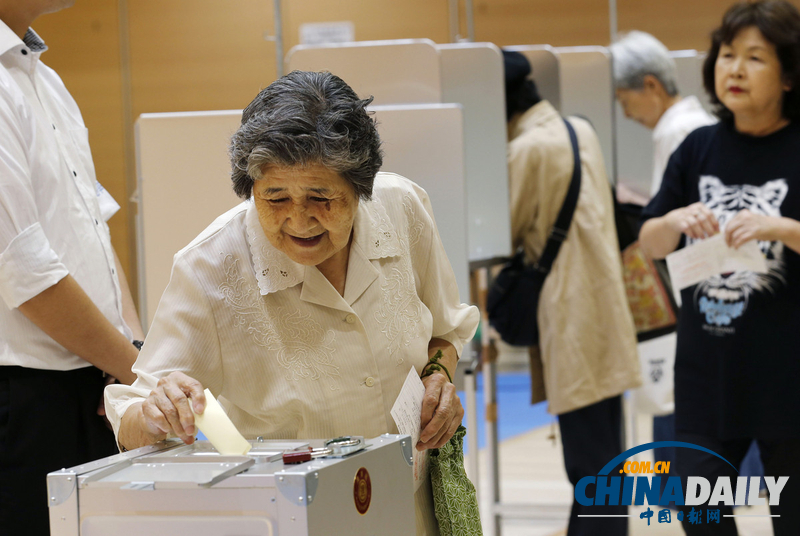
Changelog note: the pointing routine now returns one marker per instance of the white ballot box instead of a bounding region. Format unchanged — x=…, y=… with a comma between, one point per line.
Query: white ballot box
x=171, y=488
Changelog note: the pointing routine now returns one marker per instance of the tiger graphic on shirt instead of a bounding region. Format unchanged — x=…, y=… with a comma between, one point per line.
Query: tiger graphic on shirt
x=723, y=298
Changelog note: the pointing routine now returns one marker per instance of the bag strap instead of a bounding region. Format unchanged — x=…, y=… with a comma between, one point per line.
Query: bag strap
x=564, y=219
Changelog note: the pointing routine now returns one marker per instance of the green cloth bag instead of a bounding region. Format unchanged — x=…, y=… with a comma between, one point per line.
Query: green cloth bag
x=454, y=500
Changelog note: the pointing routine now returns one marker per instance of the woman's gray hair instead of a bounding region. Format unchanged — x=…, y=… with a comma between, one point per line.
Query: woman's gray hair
x=307, y=118
x=638, y=54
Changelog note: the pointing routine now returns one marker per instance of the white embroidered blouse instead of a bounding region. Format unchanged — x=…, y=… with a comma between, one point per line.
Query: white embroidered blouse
x=285, y=353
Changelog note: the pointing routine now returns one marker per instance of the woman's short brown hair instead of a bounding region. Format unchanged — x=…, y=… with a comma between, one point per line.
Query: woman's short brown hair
x=779, y=23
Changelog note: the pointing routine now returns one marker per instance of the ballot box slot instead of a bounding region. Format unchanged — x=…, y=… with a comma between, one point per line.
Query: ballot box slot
x=156, y=472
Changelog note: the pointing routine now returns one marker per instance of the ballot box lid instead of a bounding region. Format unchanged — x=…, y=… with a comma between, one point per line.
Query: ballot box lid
x=169, y=472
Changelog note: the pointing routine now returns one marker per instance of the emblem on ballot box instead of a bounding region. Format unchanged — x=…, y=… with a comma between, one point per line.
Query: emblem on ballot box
x=362, y=491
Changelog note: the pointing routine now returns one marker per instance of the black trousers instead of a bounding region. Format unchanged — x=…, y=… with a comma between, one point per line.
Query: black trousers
x=591, y=437
x=780, y=458
x=48, y=421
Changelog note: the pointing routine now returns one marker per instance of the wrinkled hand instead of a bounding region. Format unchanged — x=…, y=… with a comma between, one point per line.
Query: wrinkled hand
x=167, y=409
x=695, y=221
x=746, y=226
x=441, y=412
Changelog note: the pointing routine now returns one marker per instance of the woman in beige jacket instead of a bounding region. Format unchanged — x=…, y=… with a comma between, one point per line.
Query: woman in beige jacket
x=587, y=345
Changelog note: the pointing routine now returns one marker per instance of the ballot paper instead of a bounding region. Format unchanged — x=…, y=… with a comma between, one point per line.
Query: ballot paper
x=710, y=257
x=407, y=414
x=218, y=428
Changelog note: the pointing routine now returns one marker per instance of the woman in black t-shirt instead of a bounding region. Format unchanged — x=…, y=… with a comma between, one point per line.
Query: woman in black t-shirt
x=738, y=360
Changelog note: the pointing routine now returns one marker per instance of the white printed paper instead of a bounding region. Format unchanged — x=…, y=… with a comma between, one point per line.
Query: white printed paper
x=407, y=414
x=711, y=257
x=218, y=428
x=324, y=33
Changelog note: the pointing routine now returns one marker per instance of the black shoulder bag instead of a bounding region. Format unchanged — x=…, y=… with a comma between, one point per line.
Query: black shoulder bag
x=513, y=298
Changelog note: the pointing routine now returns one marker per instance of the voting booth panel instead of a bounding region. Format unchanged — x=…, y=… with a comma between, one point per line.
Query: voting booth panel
x=171, y=488
x=545, y=70
x=469, y=74
x=472, y=75
x=635, y=142
x=403, y=71
x=587, y=90
x=183, y=176
x=425, y=143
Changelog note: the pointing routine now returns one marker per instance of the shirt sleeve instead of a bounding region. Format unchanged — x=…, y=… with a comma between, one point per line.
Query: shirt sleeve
x=28, y=264
x=673, y=192
x=183, y=337
x=453, y=321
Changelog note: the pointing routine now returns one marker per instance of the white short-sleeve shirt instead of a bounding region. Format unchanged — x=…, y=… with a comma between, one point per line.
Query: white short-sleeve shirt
x=53, y=211
x=672, y=128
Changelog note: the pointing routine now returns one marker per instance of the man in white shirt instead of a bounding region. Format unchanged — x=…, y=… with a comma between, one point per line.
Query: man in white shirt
x=65, y=307
x=646, y=84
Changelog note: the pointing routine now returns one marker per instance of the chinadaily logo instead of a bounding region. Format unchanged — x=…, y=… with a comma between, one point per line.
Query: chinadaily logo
x=699, y=503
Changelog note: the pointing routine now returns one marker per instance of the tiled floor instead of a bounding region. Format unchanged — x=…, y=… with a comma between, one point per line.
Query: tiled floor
x=532, y=473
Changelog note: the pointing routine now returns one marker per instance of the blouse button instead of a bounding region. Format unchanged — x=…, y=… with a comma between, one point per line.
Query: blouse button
x=370, y=381
x=350, y=319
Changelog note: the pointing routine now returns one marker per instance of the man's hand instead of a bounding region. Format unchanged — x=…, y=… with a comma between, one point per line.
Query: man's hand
x=101, y=407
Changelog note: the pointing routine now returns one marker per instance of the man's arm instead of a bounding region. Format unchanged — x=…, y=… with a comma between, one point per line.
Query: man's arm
x=69, y=316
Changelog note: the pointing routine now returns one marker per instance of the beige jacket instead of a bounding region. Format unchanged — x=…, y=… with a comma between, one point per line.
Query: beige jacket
x=587, y=343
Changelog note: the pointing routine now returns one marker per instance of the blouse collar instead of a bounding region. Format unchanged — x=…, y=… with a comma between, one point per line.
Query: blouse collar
x=373, y=233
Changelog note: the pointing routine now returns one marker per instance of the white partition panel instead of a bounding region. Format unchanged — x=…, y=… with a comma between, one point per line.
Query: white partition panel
x=472, y=76
x=690, y=74
x=425, y=144
x=587, y=90
x=546, y=70
x=394, y=72
x=183, y=184
x=635, y=142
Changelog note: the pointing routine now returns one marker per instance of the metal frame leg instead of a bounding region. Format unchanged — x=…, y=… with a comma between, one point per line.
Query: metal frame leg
x=470, y=390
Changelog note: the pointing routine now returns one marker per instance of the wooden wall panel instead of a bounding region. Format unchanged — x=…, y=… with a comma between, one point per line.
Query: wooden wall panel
x=188, y=55
x=83, y=46
x=552, y=22
x=675, y=25
x=373, y=20
x=205, y=55
x=682, y=24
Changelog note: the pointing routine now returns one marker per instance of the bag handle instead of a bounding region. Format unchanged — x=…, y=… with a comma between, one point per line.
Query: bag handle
x=564, y=219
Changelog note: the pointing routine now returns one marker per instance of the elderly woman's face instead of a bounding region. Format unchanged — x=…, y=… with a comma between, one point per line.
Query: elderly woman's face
x=747, y=76
x=306, y=212
x=641, y=105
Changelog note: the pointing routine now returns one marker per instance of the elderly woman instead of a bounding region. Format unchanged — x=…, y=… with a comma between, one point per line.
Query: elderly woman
x=737, y=369
x=646, y=82
x=304, y=308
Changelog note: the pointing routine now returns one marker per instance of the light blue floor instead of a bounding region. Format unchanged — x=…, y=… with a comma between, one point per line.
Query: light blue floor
x=516, y=415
